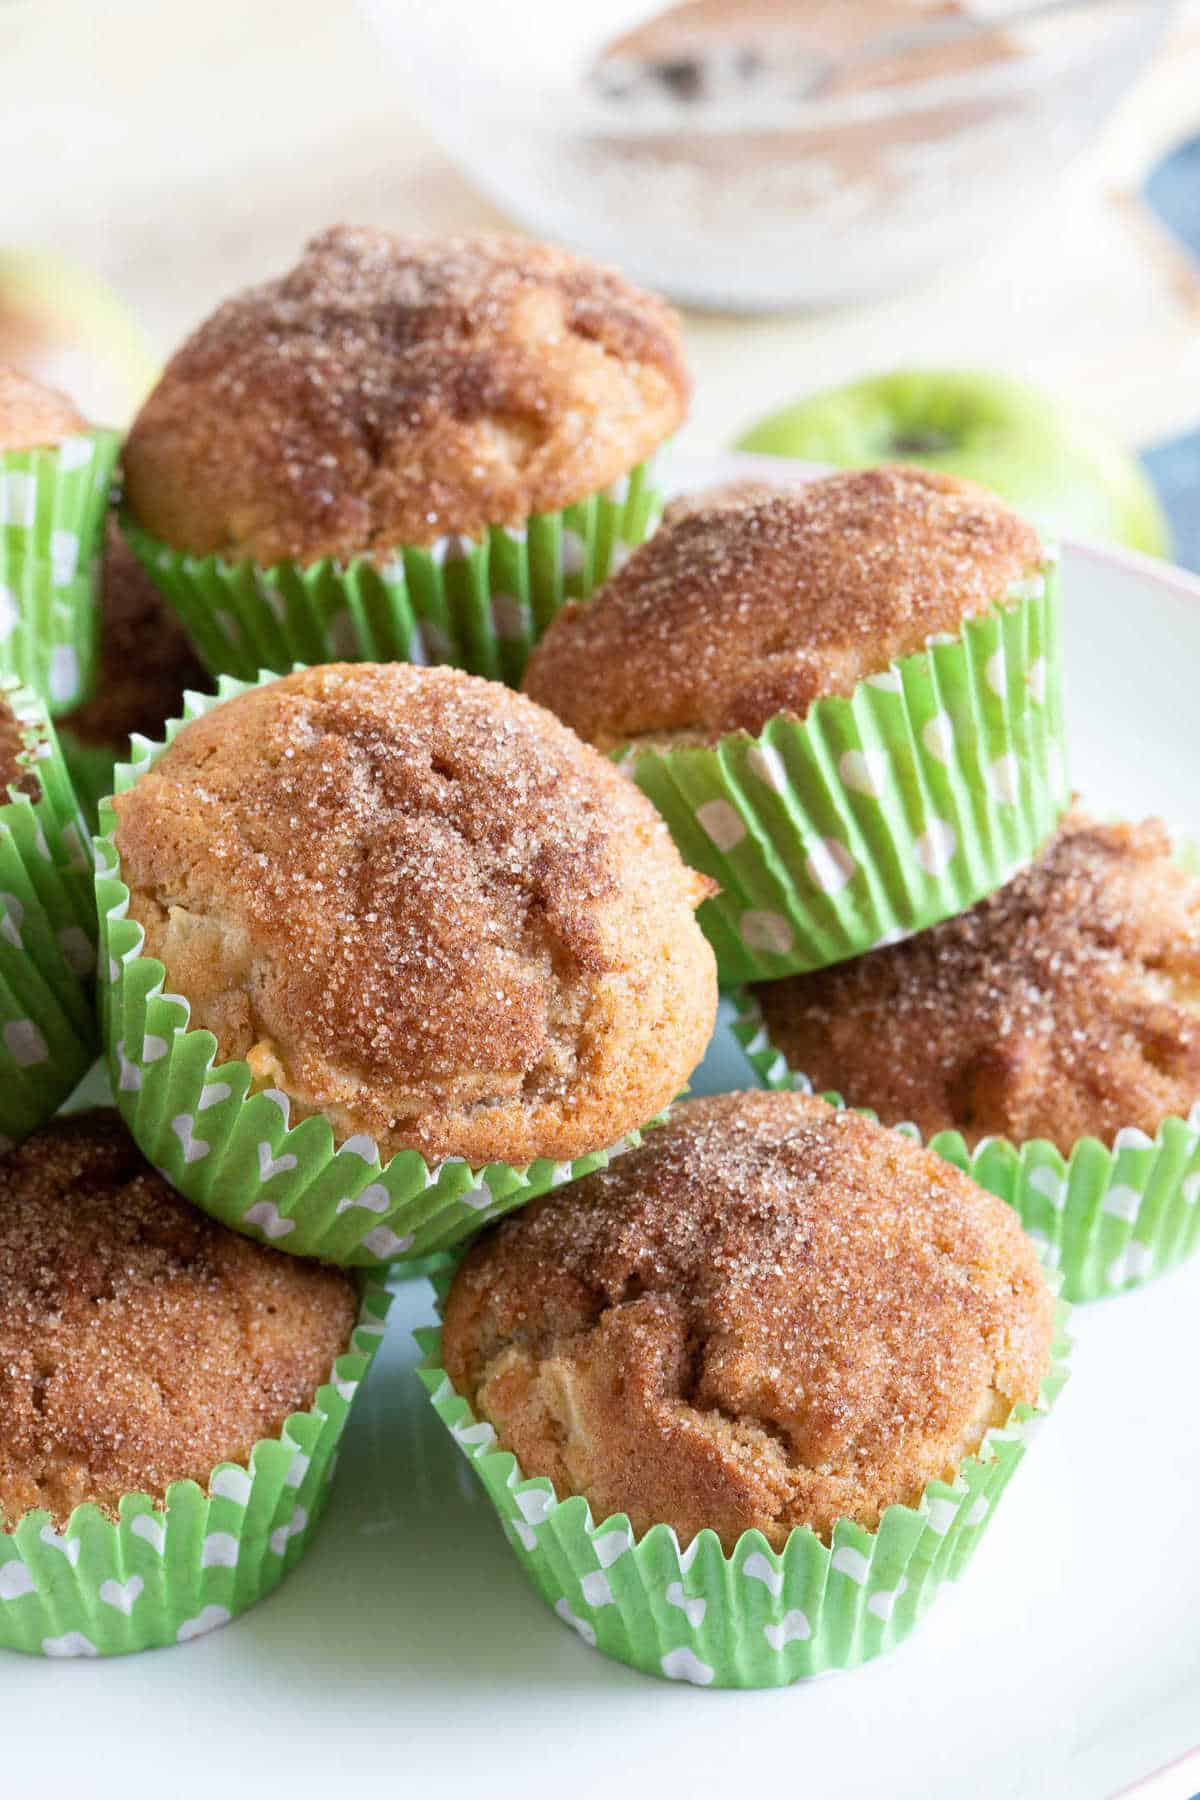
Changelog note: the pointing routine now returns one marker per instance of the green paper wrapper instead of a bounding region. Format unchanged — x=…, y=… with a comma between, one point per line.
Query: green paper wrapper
x=482, y=605
x=1107, y=1219
x=48, y=1032
x=230, y=1150
x=758, y=1617
x=164, y=1574
x=91, y=768
x=879, y=814
x=52, y=509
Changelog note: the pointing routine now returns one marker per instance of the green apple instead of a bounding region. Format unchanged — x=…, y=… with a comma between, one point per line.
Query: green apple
x=1061, y=471
x=64, y=325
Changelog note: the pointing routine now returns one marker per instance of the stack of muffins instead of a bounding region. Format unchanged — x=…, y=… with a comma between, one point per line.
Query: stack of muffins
x=387, y=950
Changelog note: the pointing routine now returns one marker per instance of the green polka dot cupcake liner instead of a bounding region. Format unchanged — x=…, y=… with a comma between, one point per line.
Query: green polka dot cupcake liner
x=881, y=813
x=481, y=604
x=232, y=1150
x=52, y=510
x=91, y=768
x=48, y=1031
x=1106, y=1218
x=757, y=1617
x=167, y=1572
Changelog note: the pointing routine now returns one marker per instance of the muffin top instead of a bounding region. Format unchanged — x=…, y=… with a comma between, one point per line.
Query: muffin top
x=145, y=658
x=1066, y=1005
x=140, y=1343
x=751, y=602
x=416, y=903
x=771, y=1314
x=391, y=390
x=33, y=417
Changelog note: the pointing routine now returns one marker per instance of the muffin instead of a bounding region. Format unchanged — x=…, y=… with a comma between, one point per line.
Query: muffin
x=167, y=1433
x=844, y=699
x=144, y=664
x=774, y=1333
x=48, y=1034
x=418, y=912
x=55, y=471
x=1049, y=1038
x=404, y=447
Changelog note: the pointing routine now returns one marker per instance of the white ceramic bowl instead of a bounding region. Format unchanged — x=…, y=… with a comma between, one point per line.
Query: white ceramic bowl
x=777, y=202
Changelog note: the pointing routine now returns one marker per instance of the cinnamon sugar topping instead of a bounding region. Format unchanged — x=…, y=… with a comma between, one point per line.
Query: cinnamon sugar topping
x=771, y=1314
x=754, y=602
x=389, y=390
x=140, y=1343
x=1066, y=1005
x=417, y=904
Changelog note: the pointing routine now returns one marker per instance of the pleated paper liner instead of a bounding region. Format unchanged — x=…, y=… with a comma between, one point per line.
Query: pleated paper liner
x=230, y=1150
x=482, y=605
x=164, y=1574
x=879, y=814
x=48, y=1030
x=52, y=509
x=1107, y=1219
x=91, y=768
x=756, y=1618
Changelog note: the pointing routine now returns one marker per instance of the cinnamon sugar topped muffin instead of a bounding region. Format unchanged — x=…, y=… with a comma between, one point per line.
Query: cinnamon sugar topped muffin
x=390, y=390
x=32, y=416
x=1066, y=1005
x=771, y=1314
x=145, y=660
x=418, y=905
x=751, y=603
x=140, y=1344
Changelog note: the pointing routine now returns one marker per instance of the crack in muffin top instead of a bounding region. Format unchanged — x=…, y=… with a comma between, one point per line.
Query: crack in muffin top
x=771, y=1314
x=140, y=1343
x=33, y=416
x=391, y=390
x=416, y=903
x=750, y=602
x=1065, y=1005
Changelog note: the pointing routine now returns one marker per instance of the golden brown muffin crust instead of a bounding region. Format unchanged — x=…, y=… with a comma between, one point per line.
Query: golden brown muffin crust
x=771, y=1314
x=140, y=1343
x=391, y=390
x=417, y=903
x=34, y=417
x=744, y=607
x=1066, y=1005
x=145, y=658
